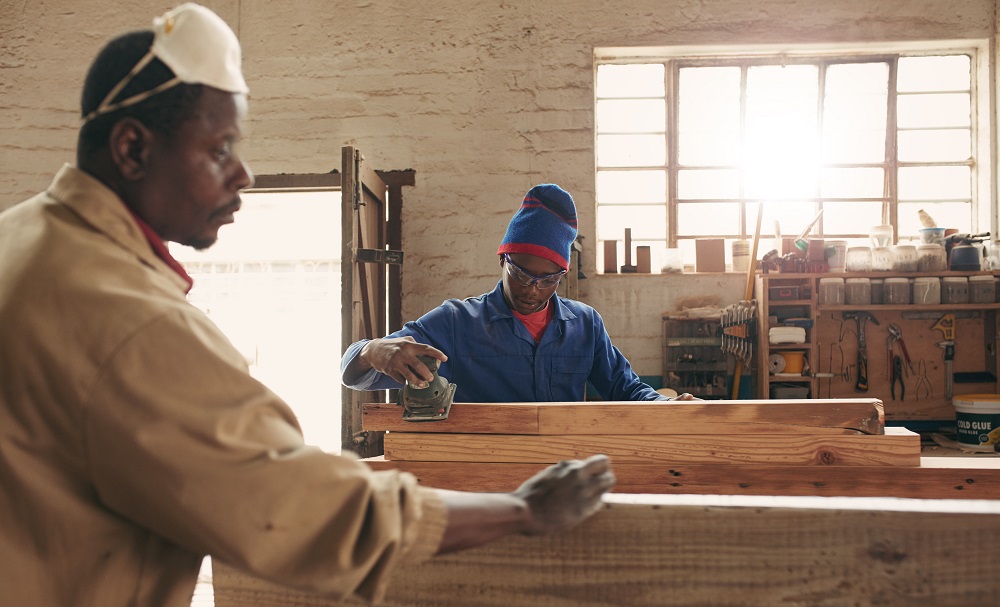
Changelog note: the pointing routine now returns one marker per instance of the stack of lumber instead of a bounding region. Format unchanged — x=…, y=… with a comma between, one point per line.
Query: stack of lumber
x=817, y=447
x=732, y=548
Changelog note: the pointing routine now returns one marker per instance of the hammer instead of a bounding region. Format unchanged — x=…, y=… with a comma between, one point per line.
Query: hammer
x=861, y=316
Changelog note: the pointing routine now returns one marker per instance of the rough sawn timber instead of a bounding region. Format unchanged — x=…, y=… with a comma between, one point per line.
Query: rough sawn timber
x=897, y=447
x=705, y=551
x=816, y=416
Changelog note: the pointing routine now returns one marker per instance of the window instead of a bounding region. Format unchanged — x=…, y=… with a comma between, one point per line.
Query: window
x=688, y=147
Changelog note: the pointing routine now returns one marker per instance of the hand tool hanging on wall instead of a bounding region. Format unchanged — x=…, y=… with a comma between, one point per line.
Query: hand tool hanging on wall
x=946, y=324
x=739, y=329
x=861, y=317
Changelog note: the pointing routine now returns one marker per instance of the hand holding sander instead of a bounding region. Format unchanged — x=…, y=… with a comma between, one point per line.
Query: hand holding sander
x=431, y=403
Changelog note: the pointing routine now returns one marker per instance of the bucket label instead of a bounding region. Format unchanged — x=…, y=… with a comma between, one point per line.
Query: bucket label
x=978, y=429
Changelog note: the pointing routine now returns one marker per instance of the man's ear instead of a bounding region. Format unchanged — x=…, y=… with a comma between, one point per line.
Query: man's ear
x=129, y=143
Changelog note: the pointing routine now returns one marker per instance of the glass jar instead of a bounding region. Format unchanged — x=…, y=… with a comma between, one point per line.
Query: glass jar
x=858, y=292
x=831, y=291
x=859, y=259
x=904, y=258
x=897, y=291
x=931, y=258
x=881, y=259
x=927, y=290
x=954, y=290
x=878, y=291
x=982, y=289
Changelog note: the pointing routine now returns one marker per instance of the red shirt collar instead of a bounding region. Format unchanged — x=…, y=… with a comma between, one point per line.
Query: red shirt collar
x=161, y=250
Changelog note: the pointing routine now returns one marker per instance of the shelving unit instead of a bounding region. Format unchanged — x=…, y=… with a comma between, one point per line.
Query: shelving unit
x=831, y=346
x=693, y=360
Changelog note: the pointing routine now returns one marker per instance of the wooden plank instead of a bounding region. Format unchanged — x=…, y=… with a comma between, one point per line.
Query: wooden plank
x=718, y=416
x=933, y=479
x=665, y=551
x=897, y=447
x=812, y=417
x=470, y=418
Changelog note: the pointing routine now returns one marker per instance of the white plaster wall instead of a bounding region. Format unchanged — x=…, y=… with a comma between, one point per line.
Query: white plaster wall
x=482, y=99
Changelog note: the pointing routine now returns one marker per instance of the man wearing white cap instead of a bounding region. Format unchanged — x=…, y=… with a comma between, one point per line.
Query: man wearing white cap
x=133, y=441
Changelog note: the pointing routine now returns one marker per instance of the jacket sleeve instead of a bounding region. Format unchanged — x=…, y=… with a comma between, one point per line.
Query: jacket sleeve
x=184, y=442
x=612, y=375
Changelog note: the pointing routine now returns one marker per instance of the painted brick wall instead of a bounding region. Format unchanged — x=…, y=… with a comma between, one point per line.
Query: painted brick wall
x=482, y=99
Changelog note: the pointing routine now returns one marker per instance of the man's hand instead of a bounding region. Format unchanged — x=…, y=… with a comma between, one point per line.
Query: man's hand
x=564, y=494
x=555, y=499
x=397, y=358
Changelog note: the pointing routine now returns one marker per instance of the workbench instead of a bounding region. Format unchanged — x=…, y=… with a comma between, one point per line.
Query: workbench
x=804, y=504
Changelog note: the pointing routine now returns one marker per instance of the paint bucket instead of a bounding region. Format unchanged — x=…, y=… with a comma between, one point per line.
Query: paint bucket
x=977, y=419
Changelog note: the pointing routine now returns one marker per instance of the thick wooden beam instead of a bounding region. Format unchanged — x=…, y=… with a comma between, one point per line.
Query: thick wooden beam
x=897, y=447
x=932, y=480
x=665, y=551
x=813, y=417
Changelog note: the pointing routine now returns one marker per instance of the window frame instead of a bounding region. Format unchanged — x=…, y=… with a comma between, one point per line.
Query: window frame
x=982, y=162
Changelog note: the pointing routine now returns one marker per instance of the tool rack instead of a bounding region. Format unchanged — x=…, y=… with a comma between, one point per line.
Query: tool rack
x=693, y=360
x=831, y=346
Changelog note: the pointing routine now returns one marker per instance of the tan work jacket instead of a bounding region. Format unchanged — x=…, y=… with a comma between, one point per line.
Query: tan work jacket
x=133, y=440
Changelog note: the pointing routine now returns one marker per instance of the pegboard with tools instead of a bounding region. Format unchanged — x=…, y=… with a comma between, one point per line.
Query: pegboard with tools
x=913, y=357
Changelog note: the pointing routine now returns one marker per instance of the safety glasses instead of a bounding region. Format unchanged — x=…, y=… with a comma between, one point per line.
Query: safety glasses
x=526, y=279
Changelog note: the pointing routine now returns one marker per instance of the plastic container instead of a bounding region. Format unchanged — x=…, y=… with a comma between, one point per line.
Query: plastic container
x=927, y=290
x=954, y=290
x=881, y=259
x=881, y=235
x=741, y=255
x=904, y=258
x=931, y=258
x=932, y=236
x=858, y=292
x=836, y=255
x=878, y=291
x=977, y=419
x=859, y=259
x=982, y=289
x=897, y=291
x=831, y=291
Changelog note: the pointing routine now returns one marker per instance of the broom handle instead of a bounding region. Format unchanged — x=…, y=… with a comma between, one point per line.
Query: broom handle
x=749, y=290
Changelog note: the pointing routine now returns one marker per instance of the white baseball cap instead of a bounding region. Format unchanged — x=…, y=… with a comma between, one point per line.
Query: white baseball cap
x=197, y=45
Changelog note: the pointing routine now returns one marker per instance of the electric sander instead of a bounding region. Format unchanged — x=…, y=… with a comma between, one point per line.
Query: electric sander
x=432, y=403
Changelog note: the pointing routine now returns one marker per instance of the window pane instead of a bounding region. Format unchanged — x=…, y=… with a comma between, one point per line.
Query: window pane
x=921, y=111
x=853, y=183
x=631, y=116
x=951, y=73
x=709, y=116
x=842, y=218
x=935, y=146
x=615, y=187
x=640, y=80
x=854, y=113
x=781, y=135
x=934, y=183
x=789, y=218
x=647, y=222
x=708, y=218
x=631, y=150
x=956, y=215
x=701, y=184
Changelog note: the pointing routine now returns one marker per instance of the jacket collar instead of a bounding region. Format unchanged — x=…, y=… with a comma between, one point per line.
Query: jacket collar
x=100, y=207
x=497, y=307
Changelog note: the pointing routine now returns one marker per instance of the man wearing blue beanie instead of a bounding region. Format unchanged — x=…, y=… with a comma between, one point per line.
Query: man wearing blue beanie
x=520, y=342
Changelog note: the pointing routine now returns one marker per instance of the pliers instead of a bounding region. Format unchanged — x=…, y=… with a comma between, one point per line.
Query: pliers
x=897, y=376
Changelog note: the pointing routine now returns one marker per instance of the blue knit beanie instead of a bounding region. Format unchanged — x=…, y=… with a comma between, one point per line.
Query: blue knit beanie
x=544, y=226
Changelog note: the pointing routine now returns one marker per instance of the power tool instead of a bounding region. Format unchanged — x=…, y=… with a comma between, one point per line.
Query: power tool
x=432, y=403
